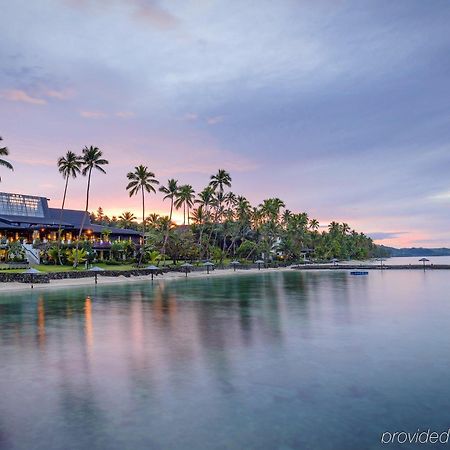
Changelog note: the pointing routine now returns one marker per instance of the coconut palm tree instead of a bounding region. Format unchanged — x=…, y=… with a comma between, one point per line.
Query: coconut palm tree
x=5, y=152
x=220, y=179
x=152, y=220
x=217, y=182
x=198, y=216
x=126, y=219
x=92, y=160
x=171, y=190
x=185, y=198
x=141, y=181
x=206, y=199
x=314, y=224
x=69, y=166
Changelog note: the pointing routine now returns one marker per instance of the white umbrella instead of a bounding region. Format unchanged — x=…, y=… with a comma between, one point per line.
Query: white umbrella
x=259, y=262
x=208, y=265
x=32, y=271
x=96, y=269
x=234, y=264
x=186, y=266
x=152, y=269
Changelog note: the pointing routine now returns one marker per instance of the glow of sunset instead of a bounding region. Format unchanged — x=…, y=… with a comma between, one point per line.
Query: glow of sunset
x=305, y=101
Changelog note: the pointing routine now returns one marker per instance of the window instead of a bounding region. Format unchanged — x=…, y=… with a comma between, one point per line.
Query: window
x=20, y=205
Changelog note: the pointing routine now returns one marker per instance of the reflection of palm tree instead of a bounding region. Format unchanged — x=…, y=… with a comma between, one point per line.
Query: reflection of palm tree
x=5, y=152
x=68, y=166
x=185, y=198
x=92, y=159
x=141, y=181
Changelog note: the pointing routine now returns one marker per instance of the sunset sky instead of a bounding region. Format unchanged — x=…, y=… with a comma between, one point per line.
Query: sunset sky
x=340, y=108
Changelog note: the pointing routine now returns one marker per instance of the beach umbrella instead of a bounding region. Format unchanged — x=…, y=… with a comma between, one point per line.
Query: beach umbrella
x=259, y=262
x=334, y=261
x=381, y=261
x=152, y=269
x=208, y=265
x=186, y=267
x=234, y=264
x=96, y=269
x=424, y=261
x=33, y=272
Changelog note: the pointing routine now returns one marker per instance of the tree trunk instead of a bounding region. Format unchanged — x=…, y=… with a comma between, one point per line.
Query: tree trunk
x=143, y=228
x=60, y=220
x=75, y=263
x=166, y=237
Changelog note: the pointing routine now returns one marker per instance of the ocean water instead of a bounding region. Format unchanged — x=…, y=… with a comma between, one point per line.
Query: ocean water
x=406, y=260
x=281, y=360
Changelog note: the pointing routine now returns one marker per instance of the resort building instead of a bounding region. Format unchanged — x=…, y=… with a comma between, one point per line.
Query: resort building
x=29, y=219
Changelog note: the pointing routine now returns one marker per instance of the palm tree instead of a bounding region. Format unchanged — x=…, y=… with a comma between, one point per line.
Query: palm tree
x=171, y=191
x=126, y=219
x=152, y=220
x=206, y=199
x=217, y=182
x=314, y=224
x=92, y=159
x=5, y=152
x=68, y=166
x=141, y=181
x=185, y=198
x=220, y=179
x=198, y=216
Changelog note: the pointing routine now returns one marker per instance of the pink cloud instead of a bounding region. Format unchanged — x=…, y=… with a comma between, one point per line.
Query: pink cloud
x=140, y=10
x=92, y=114
x=17, y=95
x=154, y=15
x=64, y=94
x=125, y=114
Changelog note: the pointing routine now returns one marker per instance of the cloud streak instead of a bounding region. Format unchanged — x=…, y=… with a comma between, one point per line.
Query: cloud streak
x=17, y=95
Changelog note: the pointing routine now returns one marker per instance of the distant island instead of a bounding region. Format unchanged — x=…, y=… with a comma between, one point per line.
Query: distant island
x=413, y=251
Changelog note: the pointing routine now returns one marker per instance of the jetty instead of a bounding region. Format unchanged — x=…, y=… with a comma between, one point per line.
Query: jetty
x=371, y=267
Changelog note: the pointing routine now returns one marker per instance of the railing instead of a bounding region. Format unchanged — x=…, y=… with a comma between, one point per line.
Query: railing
x=32, y=254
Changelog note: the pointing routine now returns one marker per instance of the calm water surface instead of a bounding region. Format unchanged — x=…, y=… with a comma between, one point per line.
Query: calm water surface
x=270, y=361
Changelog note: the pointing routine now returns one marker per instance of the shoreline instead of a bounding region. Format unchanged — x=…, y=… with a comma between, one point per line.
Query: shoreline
x=105, y=280
x=64, y=283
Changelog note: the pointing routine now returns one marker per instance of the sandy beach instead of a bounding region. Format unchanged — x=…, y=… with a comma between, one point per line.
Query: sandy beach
x=105, y=280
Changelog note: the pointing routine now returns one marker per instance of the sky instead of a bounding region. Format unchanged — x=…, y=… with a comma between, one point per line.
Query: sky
x=340, y=108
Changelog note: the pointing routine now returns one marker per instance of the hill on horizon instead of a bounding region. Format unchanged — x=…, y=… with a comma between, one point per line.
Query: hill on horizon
x=416, y=251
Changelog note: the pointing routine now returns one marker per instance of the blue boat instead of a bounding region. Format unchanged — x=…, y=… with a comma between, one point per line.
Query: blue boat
x=359, y=273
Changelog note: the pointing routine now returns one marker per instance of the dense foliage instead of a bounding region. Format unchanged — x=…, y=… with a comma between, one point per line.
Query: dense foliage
x=225, y=225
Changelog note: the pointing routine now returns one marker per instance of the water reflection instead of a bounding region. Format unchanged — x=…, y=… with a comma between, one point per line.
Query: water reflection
x=264, y=361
